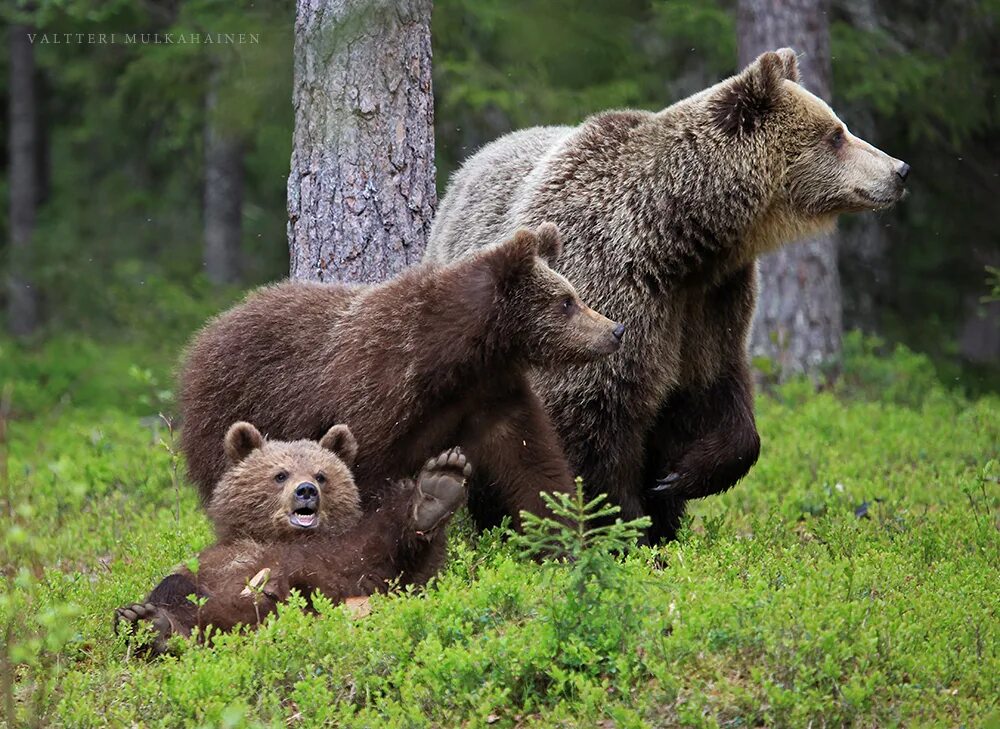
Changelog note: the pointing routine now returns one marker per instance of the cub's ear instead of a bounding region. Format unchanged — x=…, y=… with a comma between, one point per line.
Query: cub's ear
x=340, y=440
x=745, y=100
x=513, y=259
x=241, y=440
x=549, y=242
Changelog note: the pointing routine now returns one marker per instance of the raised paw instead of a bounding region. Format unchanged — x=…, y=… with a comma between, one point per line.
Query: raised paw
x=130, y=619
x=440, y=489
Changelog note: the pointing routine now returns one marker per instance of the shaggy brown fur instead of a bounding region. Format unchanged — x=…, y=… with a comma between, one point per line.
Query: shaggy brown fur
x=434, y=357
x=340, y=553
x=663, y=217
x=267, y=482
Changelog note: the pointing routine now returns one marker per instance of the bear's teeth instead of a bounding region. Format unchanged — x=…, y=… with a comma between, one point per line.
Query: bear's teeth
x=305, y=519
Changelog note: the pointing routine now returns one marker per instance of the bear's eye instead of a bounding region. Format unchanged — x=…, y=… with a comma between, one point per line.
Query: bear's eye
x=837, y=139
x=567, y=304
x=281, y=476
x=320, y=479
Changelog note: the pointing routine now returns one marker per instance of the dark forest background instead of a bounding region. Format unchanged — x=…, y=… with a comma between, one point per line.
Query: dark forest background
x=128, y=134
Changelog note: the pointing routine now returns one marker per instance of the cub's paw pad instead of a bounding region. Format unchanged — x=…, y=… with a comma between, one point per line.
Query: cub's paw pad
x=130, y=619
x=440, y=488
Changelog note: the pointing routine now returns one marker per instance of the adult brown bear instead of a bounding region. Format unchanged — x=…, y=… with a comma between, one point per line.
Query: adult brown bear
x=436, y=357
x=663, y=216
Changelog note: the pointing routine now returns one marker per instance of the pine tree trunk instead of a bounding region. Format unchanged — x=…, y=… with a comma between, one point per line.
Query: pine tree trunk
x=223, y=214
x=798, y=322
x=22, y=297
x=863, y=251
x=361, y=192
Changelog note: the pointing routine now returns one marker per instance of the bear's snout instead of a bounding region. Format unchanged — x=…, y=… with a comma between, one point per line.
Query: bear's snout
x=305, y=505
x=902, y=171
x=306, y=492
x=618, y=332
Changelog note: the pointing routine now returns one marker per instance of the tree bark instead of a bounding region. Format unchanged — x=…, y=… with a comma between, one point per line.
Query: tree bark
x=798, y=324
x=223, y=214
x=22, y=297
x=361, y=193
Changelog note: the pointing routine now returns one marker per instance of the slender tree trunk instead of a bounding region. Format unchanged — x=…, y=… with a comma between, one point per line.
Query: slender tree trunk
x=361, y=190
x=22, y=297
x=863, y=253
x=223, y=214
x=798, y=323
x=979, y=330
x=864, y=245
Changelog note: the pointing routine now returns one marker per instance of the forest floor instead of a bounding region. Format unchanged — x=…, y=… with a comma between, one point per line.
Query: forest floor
x=849, y=580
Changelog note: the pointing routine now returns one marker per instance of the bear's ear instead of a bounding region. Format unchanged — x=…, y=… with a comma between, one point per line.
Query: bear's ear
x=745, y=100
x=789, y=63
x=340, y=440
x=513, y=259
x=241, y=440
x=549, y=242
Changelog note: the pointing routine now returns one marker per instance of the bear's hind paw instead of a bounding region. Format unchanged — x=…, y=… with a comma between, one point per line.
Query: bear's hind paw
x=129, y=620
x=440, y=489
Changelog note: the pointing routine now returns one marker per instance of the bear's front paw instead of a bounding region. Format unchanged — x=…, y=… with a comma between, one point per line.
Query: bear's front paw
x=440, y=489
x=129, y=621
x=712, y=465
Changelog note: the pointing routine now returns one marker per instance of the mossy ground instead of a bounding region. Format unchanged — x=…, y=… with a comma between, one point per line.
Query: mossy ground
x=851, y=579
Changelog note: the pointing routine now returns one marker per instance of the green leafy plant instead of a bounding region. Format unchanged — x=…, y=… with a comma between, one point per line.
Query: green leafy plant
x=781, y=603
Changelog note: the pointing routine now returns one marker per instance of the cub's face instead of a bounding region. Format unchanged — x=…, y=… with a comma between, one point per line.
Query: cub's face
x=545, y=316
x=830, y=170
x=277, y=489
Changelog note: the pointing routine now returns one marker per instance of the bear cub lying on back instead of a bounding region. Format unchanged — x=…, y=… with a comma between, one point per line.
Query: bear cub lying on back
x=288, y=516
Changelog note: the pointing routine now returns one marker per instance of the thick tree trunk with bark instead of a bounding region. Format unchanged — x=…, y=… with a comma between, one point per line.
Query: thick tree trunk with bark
x=223, y=214
x=798, y=322
x=361, y=192
x=22, y=297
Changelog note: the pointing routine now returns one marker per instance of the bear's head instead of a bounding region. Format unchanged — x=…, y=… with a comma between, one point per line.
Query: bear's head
x=278, y=489
x=795, y=151
x=539, y=315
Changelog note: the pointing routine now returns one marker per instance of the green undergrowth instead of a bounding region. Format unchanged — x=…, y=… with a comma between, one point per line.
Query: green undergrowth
x=849, y=580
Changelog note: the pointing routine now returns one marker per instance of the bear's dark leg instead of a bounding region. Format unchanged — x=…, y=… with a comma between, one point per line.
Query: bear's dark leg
x=517, y=456
x=173, y=590
x=226, y=602
x=167, y=610
x=704, y=441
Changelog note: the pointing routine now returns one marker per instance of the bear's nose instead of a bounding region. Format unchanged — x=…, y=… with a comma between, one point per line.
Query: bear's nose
x=903, y=170
x=618, y=331
x=306, y=492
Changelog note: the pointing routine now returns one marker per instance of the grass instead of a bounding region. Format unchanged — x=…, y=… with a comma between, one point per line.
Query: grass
x=850, y=580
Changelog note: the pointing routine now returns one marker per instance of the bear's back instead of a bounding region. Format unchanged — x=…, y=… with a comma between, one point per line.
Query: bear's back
x=474, y=211
x=512, y=181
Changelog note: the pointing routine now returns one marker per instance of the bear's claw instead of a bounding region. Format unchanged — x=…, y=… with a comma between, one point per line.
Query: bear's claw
x=127, y=621
x=667, y=483
x=440, y=489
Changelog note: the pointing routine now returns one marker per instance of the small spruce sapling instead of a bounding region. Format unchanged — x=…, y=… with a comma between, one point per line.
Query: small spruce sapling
x=592, y=605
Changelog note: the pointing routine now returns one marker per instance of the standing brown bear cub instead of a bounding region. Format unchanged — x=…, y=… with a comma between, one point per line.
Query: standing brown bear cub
x=435, y=357
x=288, y=516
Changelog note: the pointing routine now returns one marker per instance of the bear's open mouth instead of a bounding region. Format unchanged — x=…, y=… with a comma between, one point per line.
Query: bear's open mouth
x=304, y=518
